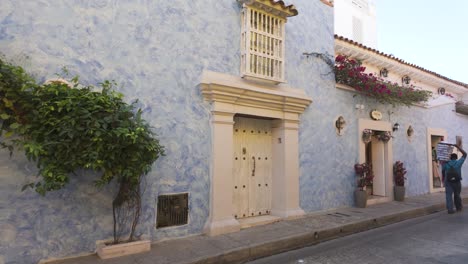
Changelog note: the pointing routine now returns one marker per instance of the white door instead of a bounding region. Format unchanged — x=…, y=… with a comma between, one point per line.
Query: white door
x=378, y=166
x=252, y=167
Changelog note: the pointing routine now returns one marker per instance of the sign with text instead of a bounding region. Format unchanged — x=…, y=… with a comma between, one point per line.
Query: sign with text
x=443, y=151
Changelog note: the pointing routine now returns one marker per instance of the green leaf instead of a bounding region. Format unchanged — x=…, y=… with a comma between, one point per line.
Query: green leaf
x=63, y=130
x=8, y=134
x=14, y=126
x=8, y=103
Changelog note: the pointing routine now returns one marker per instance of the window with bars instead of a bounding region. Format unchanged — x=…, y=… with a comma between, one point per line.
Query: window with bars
x=262, y=47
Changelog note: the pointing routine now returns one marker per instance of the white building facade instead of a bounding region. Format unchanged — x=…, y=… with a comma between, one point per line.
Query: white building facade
x=356, y=20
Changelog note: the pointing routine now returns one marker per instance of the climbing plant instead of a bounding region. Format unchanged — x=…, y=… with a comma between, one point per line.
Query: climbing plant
x=64, y=127
x=351, y=72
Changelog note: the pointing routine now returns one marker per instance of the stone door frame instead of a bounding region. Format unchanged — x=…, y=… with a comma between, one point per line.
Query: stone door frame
x=433, y=132
x=387, y=159
x=230, y=95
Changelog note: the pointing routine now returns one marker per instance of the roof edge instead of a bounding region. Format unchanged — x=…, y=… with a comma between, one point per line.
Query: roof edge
x=350, y=41
x=281, y=8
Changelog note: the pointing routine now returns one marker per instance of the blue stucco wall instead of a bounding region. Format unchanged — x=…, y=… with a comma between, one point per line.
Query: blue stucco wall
x=156, y=50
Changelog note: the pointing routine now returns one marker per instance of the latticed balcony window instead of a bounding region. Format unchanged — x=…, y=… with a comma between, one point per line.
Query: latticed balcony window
x=262, y=39
x=262, y=45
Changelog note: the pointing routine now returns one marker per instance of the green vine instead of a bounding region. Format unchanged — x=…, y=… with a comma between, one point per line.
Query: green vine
x=64, y=128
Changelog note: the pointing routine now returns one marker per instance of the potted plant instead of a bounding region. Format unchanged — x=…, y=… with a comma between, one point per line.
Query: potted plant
x=365, y=176
x=399, y=173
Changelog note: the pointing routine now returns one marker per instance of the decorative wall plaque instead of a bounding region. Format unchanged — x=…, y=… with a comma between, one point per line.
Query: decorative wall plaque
x=376, y=115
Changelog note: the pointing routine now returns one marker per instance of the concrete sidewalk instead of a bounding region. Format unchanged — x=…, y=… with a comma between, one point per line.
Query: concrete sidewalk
x=261, y=241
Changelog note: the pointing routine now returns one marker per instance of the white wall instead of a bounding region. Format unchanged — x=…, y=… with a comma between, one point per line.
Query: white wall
x=345, y=10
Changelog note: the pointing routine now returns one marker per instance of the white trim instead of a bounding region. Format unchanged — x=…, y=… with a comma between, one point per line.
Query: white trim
x=239, y=94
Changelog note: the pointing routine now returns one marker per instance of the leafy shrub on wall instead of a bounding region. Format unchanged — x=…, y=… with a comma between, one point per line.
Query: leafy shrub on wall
x=63, y=128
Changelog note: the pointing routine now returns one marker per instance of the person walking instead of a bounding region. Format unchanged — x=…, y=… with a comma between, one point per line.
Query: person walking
x=452, y=180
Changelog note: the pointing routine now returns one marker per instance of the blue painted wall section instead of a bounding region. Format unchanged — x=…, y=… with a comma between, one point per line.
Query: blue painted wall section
x=157, y=50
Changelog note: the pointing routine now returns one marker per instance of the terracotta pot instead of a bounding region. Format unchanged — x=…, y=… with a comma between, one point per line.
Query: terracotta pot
x=360, y=198
x=399, y=193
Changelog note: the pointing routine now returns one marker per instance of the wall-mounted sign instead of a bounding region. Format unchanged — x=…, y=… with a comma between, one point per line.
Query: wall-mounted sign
x=376, y=115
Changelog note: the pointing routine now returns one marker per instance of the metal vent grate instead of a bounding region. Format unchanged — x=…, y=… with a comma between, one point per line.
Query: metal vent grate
x=172, y=210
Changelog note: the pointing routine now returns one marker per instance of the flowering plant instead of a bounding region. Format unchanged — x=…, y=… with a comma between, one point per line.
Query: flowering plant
x=384, y=136
x=449, y=95
x=367, y=135
x=351, y=72
x=399, y=173
x=364, y=174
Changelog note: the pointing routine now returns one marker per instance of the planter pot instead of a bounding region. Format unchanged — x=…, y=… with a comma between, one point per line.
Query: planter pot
x=112, y=251
x=399, y=192
x=360, y=198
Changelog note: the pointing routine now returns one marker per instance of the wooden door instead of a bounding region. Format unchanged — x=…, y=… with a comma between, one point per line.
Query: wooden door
x=252, y=167
x=378, y=166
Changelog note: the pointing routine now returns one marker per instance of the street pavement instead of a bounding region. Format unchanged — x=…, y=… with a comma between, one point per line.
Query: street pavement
x=437, y=238
x=267, y=240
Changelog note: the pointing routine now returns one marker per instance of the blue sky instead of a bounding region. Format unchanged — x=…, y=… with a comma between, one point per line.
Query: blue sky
x=432, y=34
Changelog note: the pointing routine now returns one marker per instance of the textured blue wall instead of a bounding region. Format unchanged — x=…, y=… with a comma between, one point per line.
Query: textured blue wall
x=157, y=51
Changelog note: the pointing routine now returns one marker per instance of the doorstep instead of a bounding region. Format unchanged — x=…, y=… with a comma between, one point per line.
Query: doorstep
x=258, y=220
x=374, y=199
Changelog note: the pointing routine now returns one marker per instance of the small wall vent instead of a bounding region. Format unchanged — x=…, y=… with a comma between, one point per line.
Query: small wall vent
x=172, y=210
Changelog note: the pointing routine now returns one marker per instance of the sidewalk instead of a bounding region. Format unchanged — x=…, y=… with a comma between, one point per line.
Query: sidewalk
x=266, y=240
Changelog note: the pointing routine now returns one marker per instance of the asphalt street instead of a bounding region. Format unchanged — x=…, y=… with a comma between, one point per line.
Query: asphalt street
x=437, y=238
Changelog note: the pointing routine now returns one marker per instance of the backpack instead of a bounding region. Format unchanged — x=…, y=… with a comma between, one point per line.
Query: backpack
x=452, y=174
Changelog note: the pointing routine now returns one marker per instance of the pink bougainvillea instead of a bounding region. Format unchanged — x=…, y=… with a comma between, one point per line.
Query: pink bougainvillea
x=350, y=72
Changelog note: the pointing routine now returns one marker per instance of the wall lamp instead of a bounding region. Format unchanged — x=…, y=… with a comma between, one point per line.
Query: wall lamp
x=396, y=126
x=340, y=124
x=410, y=131
x=383, y=72
x=406, y=79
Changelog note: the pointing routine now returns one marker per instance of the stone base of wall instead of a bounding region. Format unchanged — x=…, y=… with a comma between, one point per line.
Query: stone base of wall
x=112, y=251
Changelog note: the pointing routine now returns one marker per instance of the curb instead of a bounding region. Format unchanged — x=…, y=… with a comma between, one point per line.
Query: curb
x=261, y=250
